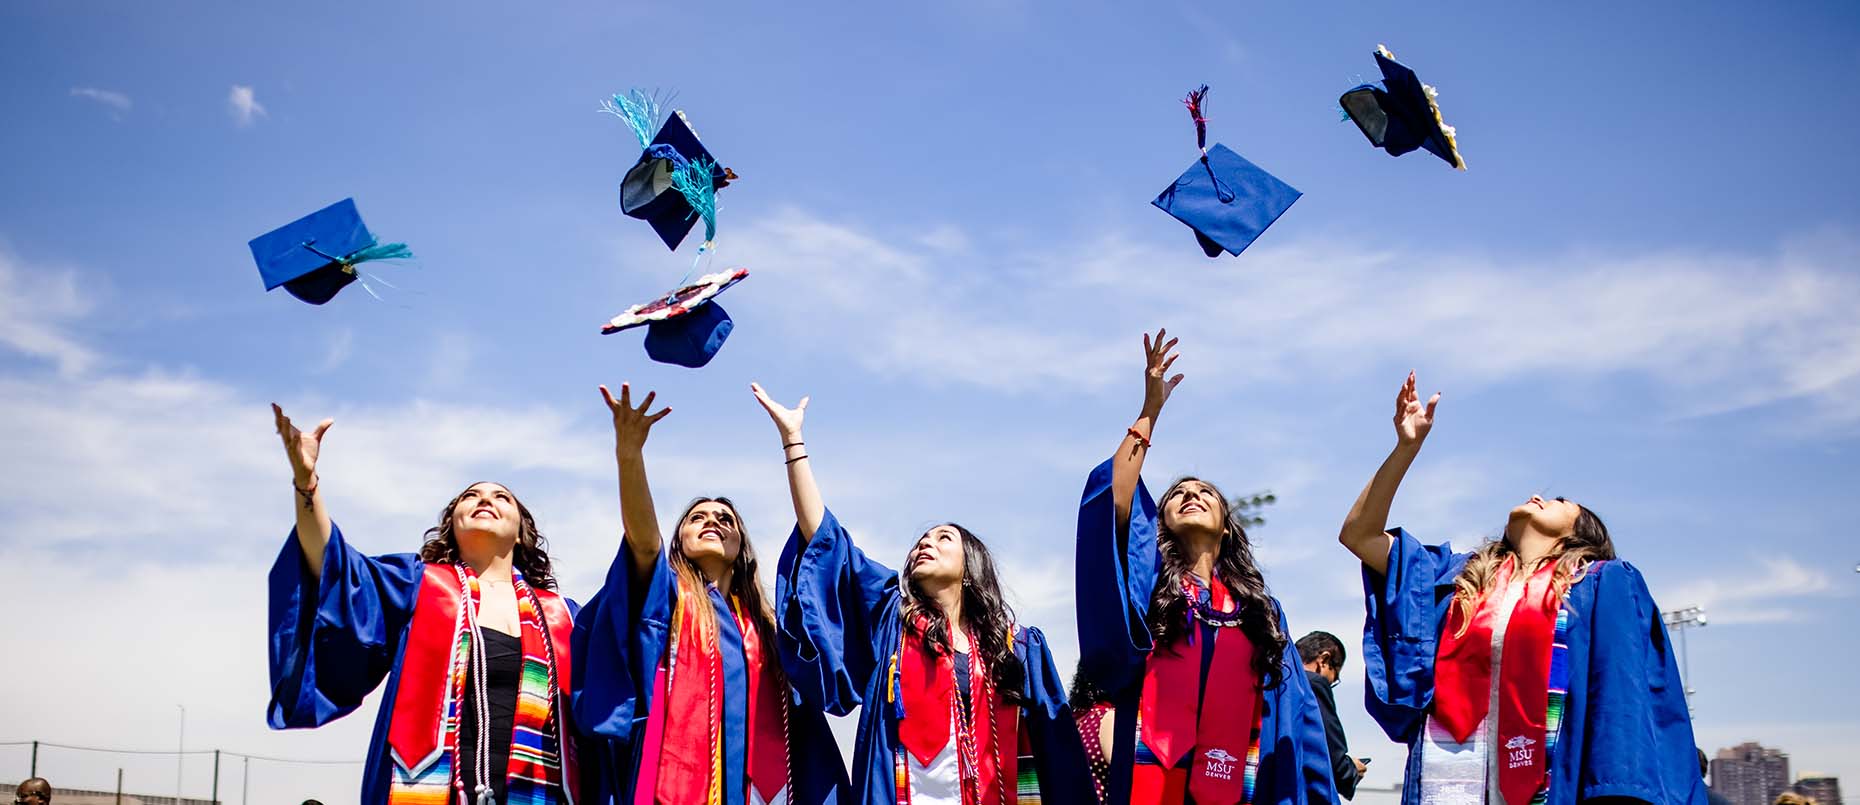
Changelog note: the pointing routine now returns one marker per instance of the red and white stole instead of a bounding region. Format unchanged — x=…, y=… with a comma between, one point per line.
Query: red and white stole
x=429, y=698
x=683, y=762
x=1219, y=731
x=986, y=735
x=1463, y=677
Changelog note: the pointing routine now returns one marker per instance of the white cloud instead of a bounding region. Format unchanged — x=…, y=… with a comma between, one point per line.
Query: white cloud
x=35, y=303
x=1713, y=332
x=244, y=105
x=1767, y=589
x=117, y=102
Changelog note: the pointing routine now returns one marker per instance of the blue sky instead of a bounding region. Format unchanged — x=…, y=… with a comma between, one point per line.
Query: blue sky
x=1640, y=295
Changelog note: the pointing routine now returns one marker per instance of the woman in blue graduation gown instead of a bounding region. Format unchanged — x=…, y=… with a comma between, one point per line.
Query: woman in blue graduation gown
x=678, y=660
x=1534, y=668
x=958, y=705
x=1176, y=623
x=469, y=635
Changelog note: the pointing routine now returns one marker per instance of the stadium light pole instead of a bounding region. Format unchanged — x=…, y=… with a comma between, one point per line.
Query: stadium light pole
x=1680, y=620
x=180, y=753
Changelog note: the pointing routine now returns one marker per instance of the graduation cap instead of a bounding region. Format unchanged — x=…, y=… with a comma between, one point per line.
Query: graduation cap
x=315, y=256
x=648, y=191
x=1401, y=114
x=685, y=327
x=1226, y=199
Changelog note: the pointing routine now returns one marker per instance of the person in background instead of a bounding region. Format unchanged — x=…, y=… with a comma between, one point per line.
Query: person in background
x=33, y=791
x=1711, y=797
x=1323, y=655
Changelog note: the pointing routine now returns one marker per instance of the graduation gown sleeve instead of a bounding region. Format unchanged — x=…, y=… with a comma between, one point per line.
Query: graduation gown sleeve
x=1630, y=719
x=619, y=639
x=334, y=639
x=1058, y=751
x=1114, y=575
x=1342, y=770
x=1294, y=750
x=1405, y=610
x=829, y=598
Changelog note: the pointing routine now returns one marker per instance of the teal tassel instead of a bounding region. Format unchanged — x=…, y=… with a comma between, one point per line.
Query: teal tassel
x=639, y=110
x=379, y=251
x=694, y=180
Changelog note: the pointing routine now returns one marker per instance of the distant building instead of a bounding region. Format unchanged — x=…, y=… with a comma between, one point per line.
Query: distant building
x=1749, y=774
x=1823, y=789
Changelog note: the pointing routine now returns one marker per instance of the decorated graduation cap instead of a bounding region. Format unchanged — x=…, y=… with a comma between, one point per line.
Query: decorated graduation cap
x=685, y=327
x=1400, y=113
x=649, y=191
x=1226, y=199
x=316, y=256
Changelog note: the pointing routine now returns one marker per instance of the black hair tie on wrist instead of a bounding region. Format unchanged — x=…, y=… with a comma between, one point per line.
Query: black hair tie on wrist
x=796, y=458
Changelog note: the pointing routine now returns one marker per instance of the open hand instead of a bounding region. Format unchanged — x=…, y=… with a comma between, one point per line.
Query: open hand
x=787, y=420
x=1412, y=420
x=302, y=448
x=631, y=424
x=1158, y=356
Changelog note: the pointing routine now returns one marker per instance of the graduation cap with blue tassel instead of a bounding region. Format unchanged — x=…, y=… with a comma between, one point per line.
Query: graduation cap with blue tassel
x=673, y=186
x=317, y=255
x=1400, y=114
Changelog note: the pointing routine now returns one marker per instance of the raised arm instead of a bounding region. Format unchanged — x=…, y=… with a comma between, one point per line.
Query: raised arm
x=1127, y=466
x=1364, y=530
x=637, y=514
x=312, y=520
x=808, y=510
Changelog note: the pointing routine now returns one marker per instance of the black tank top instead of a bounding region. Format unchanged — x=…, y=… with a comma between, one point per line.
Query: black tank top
x=503, y=663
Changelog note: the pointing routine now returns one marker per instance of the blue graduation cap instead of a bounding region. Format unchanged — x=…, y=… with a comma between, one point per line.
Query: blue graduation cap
x=685, y=327
x=1226, y=199
x=1401, y=114
x=314, y=256
x=648, y=191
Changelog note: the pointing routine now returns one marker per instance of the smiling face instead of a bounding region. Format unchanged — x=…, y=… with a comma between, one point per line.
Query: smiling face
x=1193, y=505
x=710, y=534
x=1555, y=517
x=937, y=556
x=487, y=510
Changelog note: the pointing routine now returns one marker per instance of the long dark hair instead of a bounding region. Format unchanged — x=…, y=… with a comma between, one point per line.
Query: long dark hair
x=1588, y=541
x=745, y=583
x=989, y=619
x=531, y=557
x=1235, y=567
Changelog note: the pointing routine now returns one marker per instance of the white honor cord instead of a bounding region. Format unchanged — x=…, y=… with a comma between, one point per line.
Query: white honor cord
x=481, y=699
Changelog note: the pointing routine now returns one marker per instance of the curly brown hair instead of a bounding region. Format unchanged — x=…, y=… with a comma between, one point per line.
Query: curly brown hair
x=1587, y=542
x=988, y=617
x=531, y=557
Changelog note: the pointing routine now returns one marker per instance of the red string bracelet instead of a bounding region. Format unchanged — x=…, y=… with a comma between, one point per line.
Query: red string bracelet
x=1141, y=439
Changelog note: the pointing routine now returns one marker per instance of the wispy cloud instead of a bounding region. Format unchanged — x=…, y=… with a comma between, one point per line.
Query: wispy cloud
x=117, y=102
x=1771, y=589
x=35, y=305
x=244, y=105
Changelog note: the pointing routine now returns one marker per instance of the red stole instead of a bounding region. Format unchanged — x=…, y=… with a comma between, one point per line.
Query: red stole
x=927, y=688
x=689, y=708
x=1463, y=677
x=1171, y=723
x=416, y=729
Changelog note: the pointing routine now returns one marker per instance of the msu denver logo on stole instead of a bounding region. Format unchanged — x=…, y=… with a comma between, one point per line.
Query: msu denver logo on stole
x=1220, y=764
x=1520, y=752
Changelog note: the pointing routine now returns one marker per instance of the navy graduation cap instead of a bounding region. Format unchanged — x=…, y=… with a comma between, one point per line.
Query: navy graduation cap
x=1226, y=199
x=648, y=191
x=314, y=256
x=1401, y=114
x=685, y=327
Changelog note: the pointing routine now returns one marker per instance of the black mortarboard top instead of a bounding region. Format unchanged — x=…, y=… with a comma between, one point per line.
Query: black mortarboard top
x=1401, y=114
x=1227, y=200
x=685, y=327
x=314, y=256
x=647, y=192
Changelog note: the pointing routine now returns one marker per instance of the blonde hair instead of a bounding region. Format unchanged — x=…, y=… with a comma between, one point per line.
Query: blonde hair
x=1587, y=542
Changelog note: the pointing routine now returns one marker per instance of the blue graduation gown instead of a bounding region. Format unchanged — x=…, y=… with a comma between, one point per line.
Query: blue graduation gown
x=839, y=616
x=334, y=640
x=1114, y=582
x=620, y=641
x=1625, y=729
